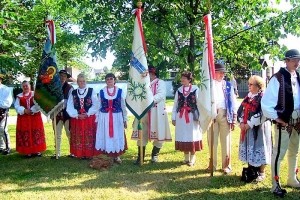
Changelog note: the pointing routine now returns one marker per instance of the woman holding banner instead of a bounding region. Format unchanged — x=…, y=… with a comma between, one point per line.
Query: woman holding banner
x=82, y=106
x=30, y=135
x=185, y=118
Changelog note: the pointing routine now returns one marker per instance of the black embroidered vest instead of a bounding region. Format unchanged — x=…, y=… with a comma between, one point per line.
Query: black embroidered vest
x=190, y=101
x=87, y=100
x=285, y=102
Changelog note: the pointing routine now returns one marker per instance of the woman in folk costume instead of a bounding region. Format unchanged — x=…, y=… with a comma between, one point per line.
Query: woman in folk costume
x=30, y=135
x=256, y=136
x=82, y=107
x=185, y=118
x=155, y=123
x=112, y=120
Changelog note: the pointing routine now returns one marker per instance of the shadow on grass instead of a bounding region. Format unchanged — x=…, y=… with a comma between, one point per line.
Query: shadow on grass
x=172, y=179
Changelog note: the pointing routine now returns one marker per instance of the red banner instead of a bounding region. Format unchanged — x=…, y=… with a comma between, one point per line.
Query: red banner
x=211, y=62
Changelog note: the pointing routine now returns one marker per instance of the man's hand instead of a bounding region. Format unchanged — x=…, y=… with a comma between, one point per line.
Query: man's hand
x=232, y=126
x=174, y=122
x=280, y=121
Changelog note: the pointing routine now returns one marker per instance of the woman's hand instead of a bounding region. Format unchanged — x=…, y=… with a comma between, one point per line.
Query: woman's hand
x=242, y=126
x=27, y=111
x=247, y=127
x=82, y=116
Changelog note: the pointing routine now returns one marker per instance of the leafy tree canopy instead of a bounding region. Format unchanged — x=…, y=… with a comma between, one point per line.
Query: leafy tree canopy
x=174, y=31
x=23, y=34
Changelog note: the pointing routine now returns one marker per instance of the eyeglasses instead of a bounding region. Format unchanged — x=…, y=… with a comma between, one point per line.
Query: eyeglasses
x=250, y=84
x=109, y=79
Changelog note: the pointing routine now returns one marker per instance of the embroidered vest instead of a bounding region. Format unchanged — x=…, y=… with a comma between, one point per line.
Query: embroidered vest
x=228, y=102
x=23, y=102
x=285, y=102
x=190, y=101
x=87, y=100
x=116, y=105
x=65, y=88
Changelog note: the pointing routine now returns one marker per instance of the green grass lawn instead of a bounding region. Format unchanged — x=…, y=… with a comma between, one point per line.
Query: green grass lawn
x=12, y=112
x=66, y=178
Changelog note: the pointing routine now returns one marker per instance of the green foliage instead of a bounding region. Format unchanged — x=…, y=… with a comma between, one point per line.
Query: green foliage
x=174, y=31
x=23, y=35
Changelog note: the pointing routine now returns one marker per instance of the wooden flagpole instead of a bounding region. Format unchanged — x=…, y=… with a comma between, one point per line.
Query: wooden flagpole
x=54, y=128
x=211, y=161
x=139, y=5
x=140, y=129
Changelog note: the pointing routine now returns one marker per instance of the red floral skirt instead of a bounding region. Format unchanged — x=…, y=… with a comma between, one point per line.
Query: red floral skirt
x=83, y=137
x=30, y=134
x=189, y=146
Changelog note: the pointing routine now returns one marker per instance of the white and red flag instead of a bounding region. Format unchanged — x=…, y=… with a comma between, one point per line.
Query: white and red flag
x=206, y=94
x=139, y=99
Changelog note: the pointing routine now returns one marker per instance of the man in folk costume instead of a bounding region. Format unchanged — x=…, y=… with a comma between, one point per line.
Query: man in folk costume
x=281, y=103
x=63, y=118
x=5, y=103
x=224, y=123
x=155, y=122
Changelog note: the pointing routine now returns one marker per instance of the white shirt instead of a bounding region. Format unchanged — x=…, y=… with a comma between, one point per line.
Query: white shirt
x=5, y=96
x=81, y=94
x=220, y=98
x=270, y=98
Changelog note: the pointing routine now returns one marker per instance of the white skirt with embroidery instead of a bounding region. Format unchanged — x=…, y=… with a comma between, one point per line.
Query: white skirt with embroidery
x=103, y=141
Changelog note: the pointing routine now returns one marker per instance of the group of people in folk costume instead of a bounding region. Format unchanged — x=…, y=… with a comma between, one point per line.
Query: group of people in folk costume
x=96, y=125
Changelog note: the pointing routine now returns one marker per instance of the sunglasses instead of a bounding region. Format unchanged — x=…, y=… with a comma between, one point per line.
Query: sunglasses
x=109, y=79
x=250, y=84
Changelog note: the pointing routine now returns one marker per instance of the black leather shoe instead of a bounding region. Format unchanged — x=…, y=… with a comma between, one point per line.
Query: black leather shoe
x=71, y=156
x=54, y=156
x=38, y=154
x=6, y=151
x=279, y=192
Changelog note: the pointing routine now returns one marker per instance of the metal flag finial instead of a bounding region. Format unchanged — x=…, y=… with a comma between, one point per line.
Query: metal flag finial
x=139, y=4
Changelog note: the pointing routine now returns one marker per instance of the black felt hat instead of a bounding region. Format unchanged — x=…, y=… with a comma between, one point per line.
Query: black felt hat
x=292, y=54
x=220, y=68
x=65, y=72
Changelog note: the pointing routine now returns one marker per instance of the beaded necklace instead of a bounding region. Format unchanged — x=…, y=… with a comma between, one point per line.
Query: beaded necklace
x=111, y=93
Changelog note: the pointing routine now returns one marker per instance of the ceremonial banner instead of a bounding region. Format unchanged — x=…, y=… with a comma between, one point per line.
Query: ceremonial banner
x=206, y=93
x=48, y=92
x=139, y=99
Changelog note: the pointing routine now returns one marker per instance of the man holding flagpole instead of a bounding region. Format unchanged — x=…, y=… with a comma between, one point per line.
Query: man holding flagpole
x=225, y=120
x=155, y=122
x=139, y=99
x=63, y=118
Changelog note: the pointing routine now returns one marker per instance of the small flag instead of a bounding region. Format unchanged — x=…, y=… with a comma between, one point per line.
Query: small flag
x=139, y=99
x=48, y=92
